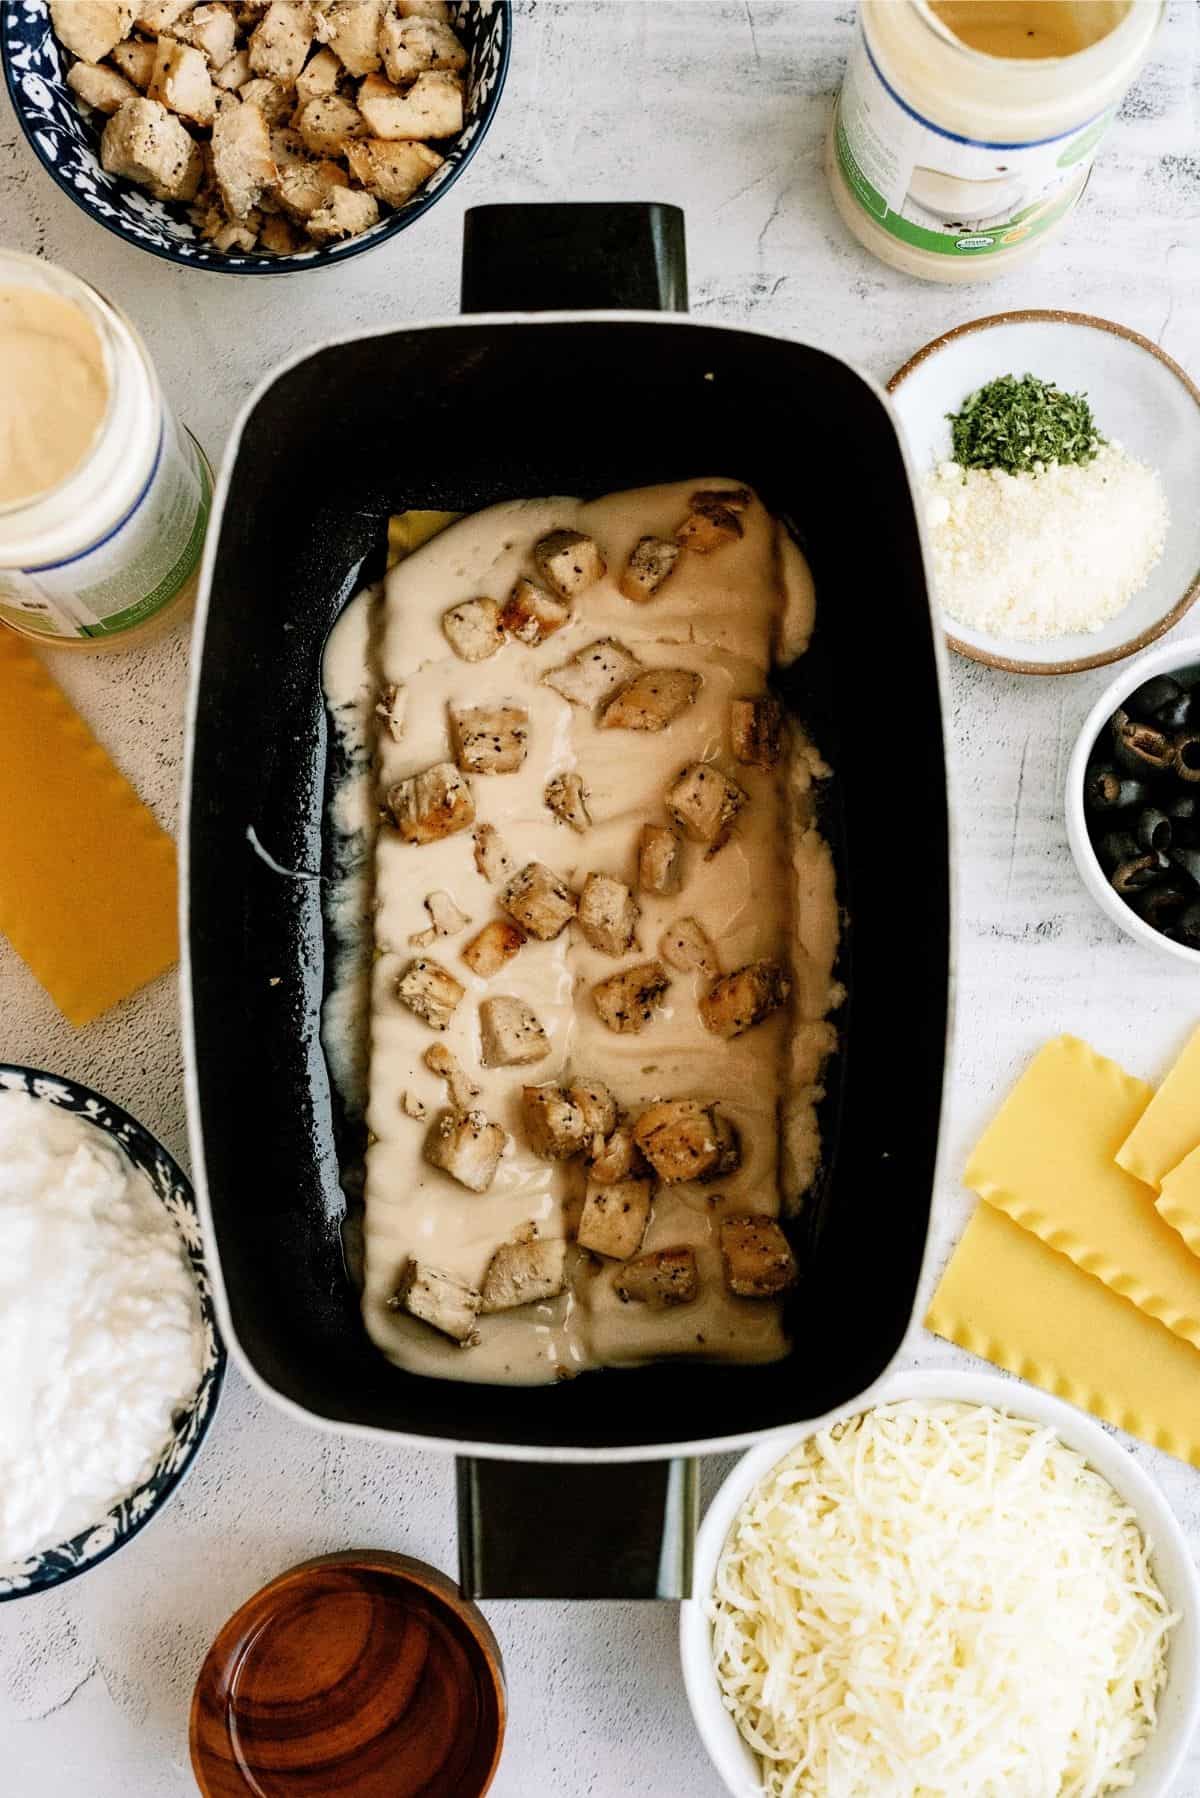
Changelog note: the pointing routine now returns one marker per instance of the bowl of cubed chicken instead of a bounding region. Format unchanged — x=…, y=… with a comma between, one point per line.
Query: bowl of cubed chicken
x=255, y=136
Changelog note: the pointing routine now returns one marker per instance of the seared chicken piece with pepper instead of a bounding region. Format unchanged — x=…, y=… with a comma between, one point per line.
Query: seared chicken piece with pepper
x=433, y=804
x=628, y=1001
x=566, y=796
x=681, y=1140
x=467, y=1146
x=705, y=804
x=431, y=107
x=758, y=1258
x=555, y=1127
x=651, y=563
x=510, y=1033
x=429, y=990
x=540, y=902
x=439, y=1299
x=489, y=739
x=530, y=614
x=474, y=629
x=410, y=47
x=685, y=945
x=608, y=914
x=744, y=998
x=147, y=144
x=660, y=859
x=651, y=700
x=593, y=674
x=756, y=730
x=661, y=1279
x=524, y=1273
x=570, y=561
x=493, y=948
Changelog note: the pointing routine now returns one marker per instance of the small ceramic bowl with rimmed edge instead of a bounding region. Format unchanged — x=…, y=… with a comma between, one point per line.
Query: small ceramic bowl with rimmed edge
x=131, y=1514
x=364, y=1673
x=1179, y=1703
x=1140, y=399
x=1170, y=659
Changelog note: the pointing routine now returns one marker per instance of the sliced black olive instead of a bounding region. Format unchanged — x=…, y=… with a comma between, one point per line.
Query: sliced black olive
x=1163, y=904
x=1153, y=830
x=1187, y=861
x=1115, y=847
x=1108, y=790
x=1187, y=756
x=1148, y=701
x=1142, y=748
x=1143, y=871
x=1186, y=928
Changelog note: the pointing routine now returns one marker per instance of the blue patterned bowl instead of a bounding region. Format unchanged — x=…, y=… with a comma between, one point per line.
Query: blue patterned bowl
x=67, y=143
x=54, y=1565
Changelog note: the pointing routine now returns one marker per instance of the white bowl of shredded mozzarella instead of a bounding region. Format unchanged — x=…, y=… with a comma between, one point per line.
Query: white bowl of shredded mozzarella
x=101, y=1337
x=966, y=1590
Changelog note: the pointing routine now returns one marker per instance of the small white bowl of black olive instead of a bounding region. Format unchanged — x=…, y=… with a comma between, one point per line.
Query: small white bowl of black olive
x=1133, y=800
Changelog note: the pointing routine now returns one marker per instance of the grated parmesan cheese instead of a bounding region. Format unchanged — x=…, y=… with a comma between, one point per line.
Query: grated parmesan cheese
x=937, y=1600
x=1044, y=554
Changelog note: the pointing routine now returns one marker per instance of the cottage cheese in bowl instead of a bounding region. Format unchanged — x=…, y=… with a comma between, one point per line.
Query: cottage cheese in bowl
x=101, y=1335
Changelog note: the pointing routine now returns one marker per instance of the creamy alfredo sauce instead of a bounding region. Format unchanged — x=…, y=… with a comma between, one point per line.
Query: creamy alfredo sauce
x=768, y=892
x=53, y=391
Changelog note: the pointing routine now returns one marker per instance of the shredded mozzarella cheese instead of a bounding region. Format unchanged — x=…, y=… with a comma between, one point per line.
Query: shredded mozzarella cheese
x=937, y=1600
x=1044, y=554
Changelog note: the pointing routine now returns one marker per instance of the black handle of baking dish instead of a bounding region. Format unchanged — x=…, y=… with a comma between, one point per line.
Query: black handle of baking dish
x=532, y=1529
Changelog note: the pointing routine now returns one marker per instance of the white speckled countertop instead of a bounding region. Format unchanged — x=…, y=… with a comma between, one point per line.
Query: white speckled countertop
x=721, y=108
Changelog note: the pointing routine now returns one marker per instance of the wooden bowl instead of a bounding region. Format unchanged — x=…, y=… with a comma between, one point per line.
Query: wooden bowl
x=363, y=1673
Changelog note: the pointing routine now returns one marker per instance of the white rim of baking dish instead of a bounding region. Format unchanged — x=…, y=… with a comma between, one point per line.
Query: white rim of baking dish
x=1166, y=660
x=732, y=1757
x=495, y=1451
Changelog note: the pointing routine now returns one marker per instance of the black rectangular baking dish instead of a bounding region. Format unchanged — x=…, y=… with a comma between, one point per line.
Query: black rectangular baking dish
x=459, y=415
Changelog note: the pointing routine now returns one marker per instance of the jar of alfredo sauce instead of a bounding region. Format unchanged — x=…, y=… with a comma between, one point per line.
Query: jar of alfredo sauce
x=104, y=497
x=965, y=130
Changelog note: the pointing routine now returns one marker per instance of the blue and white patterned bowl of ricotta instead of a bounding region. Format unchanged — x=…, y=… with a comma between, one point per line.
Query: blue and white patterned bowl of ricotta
x=50, y=1567
x=66, y=141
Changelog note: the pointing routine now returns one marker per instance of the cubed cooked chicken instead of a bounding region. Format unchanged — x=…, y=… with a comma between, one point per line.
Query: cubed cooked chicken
x=91, y=28
x=274, y=100
x=593, y=674
x=628, y=1001
x=100, y=87
x=328, y=123
x=744, y=998
x=680, y=1139
x=432, y=107
x=433, y=804
x=413, y=1107
x=149, y=145
x=614, y=1218
x=541, y=903
x=555, y=1127
x=493, y=948
x=429, y=990
x=525, y=1273
x=709, y=527
x=660, y=859
x=233, y=74
x=617, y=1158
x=566, y=796
x=756, y=731
x=491, y=855
x=687, y=946
x=439, y=1299
x=279, y=235
x=597, y=1104
x=729, y=1150
x=391, y=171
x=213, y=30
x=465, y=1145
x=462, y=1089
x=446, y=919
x=758, y=1259
x=304, y=188
x=651, y=700
x=424, y=9
x=651, y=563
x=570, y=561
x=608, y=914
x=153, y=16
x=135, y=59
x=181, y=81
x=511, y=1033
x=320, y=75
x=351, y=29
x=489, y=739
x=392, y=707
x=705, y=803
x=410, y=47
x=473, y=629
x=238, y=235
x=280, y=44
x=661, y=1279
x=530, y=614
x=243, y=165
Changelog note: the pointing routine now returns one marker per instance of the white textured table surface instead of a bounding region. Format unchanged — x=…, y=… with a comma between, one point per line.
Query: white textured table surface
x=720, y=108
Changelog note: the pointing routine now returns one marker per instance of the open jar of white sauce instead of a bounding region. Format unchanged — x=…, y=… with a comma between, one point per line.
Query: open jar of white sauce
x=104, y=497
x=965, y=129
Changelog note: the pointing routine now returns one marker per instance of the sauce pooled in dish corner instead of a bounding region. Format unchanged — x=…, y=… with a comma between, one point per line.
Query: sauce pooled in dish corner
x=604, y=930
